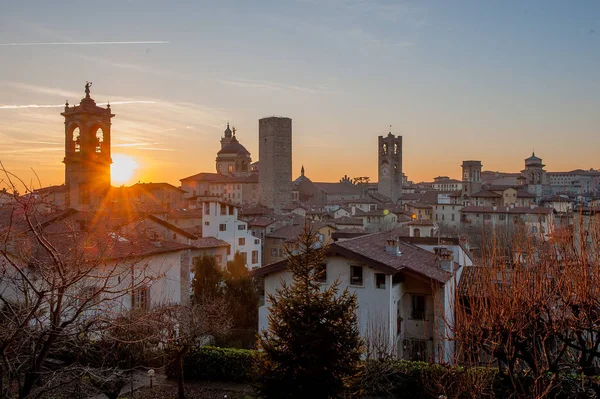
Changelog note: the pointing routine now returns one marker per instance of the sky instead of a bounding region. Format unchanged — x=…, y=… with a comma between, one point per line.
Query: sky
x=458, y=80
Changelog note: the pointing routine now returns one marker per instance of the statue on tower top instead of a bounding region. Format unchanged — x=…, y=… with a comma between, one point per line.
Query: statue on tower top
x=87, y=89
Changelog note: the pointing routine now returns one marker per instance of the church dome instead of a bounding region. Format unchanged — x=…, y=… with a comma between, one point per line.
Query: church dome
x=533, y=161
x=234, y=147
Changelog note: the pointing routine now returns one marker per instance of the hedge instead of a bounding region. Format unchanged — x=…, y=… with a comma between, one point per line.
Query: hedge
x=385, y=378
x=208, y=363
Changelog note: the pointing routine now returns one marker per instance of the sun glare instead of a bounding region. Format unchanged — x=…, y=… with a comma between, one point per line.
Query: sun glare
x=122, y=169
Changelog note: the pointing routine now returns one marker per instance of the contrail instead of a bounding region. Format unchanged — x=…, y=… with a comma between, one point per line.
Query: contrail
x=81, y=43
x=62, y=105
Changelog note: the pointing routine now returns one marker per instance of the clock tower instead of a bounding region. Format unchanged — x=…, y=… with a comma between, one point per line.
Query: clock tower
x=471, y=178
x=389, y=181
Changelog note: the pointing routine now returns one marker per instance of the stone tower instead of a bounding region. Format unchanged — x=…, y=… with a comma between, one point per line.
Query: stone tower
x=87, y=153
x=535, y=175
x=275, y=159
x=389, y=181
x=471, y=177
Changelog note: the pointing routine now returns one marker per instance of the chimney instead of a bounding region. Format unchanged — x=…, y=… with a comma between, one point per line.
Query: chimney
x=392, y=246
x=353, y=210
x=445, y=258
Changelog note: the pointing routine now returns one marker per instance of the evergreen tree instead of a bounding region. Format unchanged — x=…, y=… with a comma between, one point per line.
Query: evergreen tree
x=312, y=348
x=241, y=294
x=208, y=278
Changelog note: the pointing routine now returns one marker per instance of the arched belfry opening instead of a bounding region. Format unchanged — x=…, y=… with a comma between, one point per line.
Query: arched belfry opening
x=87, y=152
x=99, y=139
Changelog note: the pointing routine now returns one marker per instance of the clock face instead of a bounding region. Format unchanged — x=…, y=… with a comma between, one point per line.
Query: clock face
x=385, y=171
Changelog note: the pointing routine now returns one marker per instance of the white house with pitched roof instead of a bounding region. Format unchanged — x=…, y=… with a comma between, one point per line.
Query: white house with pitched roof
x=405, y=293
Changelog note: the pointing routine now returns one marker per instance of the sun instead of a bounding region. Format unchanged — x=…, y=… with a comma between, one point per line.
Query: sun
x=122, y=169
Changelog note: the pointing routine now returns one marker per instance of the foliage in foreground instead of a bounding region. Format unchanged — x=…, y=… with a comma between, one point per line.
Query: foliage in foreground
x=390, y=378
x=312, y=348
x=218, y=364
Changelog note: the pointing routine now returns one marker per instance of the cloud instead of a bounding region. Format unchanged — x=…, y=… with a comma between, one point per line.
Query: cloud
x=83, y=43
x=156, y=149
x=62, y=105
x=258, y=84
x=132, y=144
x=27, y=149
x=41, y=89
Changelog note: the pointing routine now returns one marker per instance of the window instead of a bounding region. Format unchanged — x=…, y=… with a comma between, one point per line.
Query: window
x=321, y=272
x=207, y=223
x=241, y=241
x=245, y=257
x=207, y=208
x=222, y=227
x=254, y=257
x=380, y=280
x=223, y=209
x=398, y=318
x=273, y=251
x=281, y=252
x=501, y=217
x=241, y=227
x=257, y=241
x=356, y=275
x=452, y=216
x=140, y=299
x=418, y=307
x=415, y=349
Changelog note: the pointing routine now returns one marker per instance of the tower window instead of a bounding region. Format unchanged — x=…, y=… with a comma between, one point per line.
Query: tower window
x=395, y=148
x=76, y=140
x=99, y=140
x=384, y=149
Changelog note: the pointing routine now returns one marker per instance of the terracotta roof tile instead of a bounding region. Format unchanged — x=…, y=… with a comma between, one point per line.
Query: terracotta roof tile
x=371, y=249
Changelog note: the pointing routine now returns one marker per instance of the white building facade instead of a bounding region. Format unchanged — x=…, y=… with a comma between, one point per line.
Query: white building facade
x=220, y=220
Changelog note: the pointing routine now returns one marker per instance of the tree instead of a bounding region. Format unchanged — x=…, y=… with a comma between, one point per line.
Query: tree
x=63, y=275
x=532, y=308
x=208, y=278
x=186, y=325
x=241, y=295
x=312, y=348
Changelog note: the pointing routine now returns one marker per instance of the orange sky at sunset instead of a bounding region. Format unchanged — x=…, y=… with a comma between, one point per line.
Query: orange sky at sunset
x=488, y=82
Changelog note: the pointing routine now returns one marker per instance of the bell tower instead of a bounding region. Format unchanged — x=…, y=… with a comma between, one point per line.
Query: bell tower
x=87, y=153
x=389, y=181
x=471, y=180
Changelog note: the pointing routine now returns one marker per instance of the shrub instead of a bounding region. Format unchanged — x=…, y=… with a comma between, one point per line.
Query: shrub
x=218, y=364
